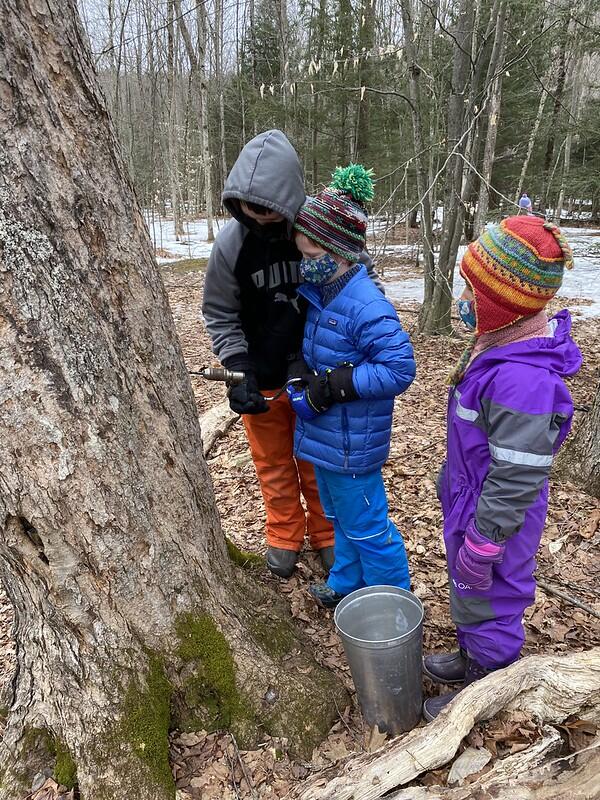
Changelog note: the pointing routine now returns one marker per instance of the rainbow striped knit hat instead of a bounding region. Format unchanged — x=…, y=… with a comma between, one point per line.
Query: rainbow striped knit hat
x=336, y=217
x=515, y=269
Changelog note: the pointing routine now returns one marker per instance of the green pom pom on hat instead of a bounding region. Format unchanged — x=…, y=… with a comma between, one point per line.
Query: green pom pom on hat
x=354, y=180
x=336, y=217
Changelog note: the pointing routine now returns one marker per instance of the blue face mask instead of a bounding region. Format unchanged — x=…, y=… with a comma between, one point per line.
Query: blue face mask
x=466, y=312
x=318, y=270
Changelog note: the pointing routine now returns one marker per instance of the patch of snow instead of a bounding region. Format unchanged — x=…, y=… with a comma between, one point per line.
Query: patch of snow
x=193, y=244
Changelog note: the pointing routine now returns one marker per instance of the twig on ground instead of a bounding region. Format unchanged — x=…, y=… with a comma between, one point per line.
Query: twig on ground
x=567, y=597
x=243, y=767
x=584, y=589
x=345, y=724
x=577, y=586
x=232, y=769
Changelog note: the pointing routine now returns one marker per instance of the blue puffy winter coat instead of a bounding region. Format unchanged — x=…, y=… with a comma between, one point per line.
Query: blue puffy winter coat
x=359, y=327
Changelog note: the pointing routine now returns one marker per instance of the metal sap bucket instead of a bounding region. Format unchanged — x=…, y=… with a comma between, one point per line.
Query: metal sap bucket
x=382, y=632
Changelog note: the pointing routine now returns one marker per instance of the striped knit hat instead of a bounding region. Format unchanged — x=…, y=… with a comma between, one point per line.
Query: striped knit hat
x=515, y=269
x=336, y=218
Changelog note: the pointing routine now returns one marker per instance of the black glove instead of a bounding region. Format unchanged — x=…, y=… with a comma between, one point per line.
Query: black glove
x=297, y=366
x=244, y=397
x=341, y=385
x=317, y=392
x=323, y=390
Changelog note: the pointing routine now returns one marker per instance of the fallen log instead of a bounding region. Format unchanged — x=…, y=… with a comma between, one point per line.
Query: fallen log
x=506, y=773
x=549, y=688
x=215, y=423
x=523, y=776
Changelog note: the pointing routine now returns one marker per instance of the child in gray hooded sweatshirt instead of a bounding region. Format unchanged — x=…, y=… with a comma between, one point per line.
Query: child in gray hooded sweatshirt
x=256, y=322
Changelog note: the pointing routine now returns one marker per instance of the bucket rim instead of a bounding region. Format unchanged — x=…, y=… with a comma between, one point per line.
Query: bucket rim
x=372, y=591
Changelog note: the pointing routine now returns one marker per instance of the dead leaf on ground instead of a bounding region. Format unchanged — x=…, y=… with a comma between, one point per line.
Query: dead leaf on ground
x=374, y=739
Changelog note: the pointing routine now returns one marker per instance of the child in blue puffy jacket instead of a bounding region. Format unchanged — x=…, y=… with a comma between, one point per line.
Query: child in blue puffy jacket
x=355, y=359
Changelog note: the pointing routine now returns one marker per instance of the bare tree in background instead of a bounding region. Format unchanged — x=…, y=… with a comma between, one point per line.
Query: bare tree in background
x=579, y=460
x=172, y=124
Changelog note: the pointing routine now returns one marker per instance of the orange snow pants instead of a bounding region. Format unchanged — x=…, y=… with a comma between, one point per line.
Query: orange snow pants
x=282, y=477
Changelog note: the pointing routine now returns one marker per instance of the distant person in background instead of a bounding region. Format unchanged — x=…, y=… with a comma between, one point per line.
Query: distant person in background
x=509, y=411
x=525, y=206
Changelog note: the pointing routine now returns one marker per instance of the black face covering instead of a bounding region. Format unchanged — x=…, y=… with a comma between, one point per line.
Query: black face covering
x=271, y=232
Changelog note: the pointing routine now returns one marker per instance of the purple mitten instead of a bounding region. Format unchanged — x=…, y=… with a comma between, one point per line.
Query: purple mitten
x=476, y=557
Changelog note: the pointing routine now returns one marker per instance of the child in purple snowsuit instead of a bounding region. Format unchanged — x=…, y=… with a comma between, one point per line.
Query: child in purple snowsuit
x=509, y=411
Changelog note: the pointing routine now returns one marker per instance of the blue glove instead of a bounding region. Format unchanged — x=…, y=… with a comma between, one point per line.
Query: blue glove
x=299, y=403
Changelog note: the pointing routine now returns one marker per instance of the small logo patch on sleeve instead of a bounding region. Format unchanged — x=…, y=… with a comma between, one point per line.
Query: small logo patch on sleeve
x=332, y=322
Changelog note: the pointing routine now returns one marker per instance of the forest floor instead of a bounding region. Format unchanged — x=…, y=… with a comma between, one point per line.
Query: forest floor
x=209, y=765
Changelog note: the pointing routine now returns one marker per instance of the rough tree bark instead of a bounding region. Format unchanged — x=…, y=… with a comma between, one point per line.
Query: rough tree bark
x=579, y=461
x=129, y=615
x=538, y=773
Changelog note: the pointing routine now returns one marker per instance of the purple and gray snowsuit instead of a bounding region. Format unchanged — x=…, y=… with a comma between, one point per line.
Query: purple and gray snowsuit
x=507, y=418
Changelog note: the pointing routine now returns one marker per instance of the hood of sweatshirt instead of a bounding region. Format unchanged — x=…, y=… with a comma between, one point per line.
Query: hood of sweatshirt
x=268, y=172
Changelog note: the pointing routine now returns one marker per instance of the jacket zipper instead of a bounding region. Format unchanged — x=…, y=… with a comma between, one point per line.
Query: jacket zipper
x=312, y=349
x=346, y=436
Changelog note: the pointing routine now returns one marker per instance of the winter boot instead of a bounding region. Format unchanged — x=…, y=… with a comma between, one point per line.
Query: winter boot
x=327, y=558
x=447, y=668
x=324, y=595
x=433, y=705
x=281, y=562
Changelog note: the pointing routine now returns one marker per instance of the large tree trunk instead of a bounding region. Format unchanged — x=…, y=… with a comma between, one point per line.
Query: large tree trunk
x=201, y=24
x=493, y=109
x=129, y=617
x=579, y=461
x=533, y=135
x=553, y=127
x=200, y=91
x=172, y=136
x=575, y=98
